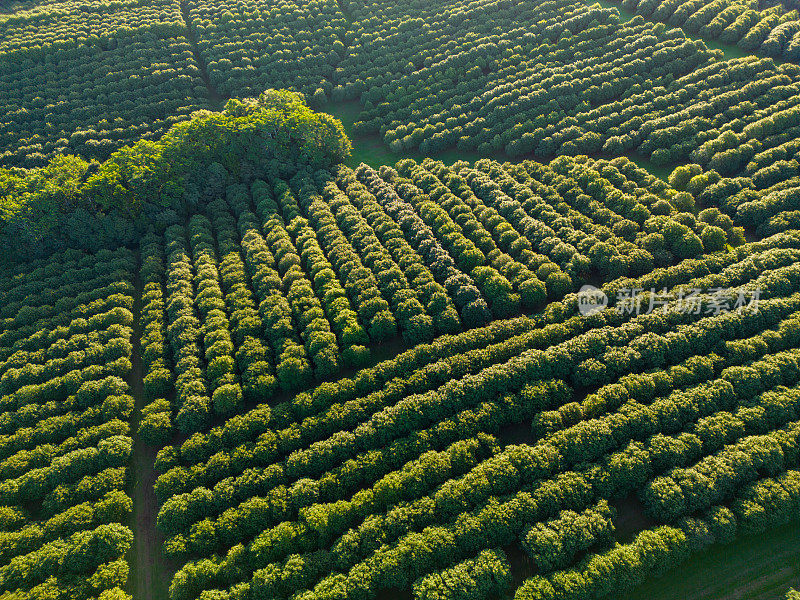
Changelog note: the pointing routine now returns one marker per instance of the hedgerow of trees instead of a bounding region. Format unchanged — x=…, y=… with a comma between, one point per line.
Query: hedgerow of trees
x=65, y=439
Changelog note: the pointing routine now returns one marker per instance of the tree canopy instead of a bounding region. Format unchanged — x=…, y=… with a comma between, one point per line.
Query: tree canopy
x=75, y=203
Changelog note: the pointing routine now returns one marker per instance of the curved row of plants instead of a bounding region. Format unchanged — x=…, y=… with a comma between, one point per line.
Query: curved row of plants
x=64, y=426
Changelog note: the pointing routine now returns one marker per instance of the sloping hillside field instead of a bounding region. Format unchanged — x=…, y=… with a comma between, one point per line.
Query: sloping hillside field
x=526, y=326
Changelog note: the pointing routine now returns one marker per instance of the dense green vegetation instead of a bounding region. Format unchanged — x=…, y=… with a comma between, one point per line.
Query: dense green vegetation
x=302, y=370
x=516, y=77
x=89, y=77
x=326, y=265
x=297, y=465
x=74, y=203
x=65, y=349
x=771, y=31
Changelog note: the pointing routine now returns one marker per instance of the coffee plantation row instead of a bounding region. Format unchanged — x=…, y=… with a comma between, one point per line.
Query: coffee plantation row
x=89, y=77
x=283, y=283
x=771, y=31
x=65, y=425
x=399, y=475
x=671, y=397
x=235, y=365
x=543, y=78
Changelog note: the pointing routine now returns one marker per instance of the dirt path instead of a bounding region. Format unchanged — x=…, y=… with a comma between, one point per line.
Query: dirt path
x=150, y=574
x=214, y=96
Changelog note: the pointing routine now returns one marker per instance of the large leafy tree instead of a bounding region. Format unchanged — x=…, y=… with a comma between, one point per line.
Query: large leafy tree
x=71, y=202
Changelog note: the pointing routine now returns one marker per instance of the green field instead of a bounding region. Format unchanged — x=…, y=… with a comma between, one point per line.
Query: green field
x=760, y=567
x=371, y=150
